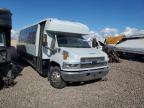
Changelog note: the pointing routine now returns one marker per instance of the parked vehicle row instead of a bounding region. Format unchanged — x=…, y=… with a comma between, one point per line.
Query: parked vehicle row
x=55, y=48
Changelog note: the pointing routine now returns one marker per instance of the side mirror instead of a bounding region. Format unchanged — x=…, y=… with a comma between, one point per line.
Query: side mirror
x=44, y=41
x=99, y=47
x=55, y=50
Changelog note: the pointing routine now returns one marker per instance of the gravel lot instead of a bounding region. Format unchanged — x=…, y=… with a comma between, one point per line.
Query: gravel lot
x=124, y=88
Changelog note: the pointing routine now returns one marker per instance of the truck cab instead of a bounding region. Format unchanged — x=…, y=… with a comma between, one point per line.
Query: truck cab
x=76, y=59
x=72, y=59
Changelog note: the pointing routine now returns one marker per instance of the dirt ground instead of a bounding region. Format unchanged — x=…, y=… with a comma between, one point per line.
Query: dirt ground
x=124, y=88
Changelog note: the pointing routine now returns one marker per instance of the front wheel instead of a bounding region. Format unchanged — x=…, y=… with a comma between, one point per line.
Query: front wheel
x=55, y=78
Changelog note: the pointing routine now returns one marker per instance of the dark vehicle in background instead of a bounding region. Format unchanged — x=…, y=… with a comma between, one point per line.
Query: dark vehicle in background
x=5, y=44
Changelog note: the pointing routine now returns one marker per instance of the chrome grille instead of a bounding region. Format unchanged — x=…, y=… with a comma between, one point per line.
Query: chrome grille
x=92, y=59
x=92, y=62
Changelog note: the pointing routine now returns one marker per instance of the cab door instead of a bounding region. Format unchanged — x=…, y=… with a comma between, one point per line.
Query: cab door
x=39, y=60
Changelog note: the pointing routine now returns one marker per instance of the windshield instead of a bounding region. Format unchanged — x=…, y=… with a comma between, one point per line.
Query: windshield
x=73, y=41
x=1, y=39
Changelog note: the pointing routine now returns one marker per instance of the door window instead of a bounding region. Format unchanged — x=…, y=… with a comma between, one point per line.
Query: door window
x=1, y=39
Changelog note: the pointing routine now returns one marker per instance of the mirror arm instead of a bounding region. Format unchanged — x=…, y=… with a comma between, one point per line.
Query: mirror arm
x=49, y=49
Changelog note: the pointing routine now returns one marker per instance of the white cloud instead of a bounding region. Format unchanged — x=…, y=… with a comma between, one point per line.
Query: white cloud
x=103, y=33
x=108, y=32
x=94, y=34
x=14, y=34
x=100, y=35
x=132, y=31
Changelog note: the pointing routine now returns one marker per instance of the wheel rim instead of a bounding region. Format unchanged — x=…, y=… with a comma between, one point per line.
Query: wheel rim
x=55, y=77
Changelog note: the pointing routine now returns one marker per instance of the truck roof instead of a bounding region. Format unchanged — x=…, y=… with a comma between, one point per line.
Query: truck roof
x=56, y=25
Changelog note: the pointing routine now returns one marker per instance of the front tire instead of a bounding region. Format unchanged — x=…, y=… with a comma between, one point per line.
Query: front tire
x=55, y=78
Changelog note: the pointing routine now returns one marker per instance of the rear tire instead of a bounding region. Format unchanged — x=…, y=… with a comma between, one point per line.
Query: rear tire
x=55, y=78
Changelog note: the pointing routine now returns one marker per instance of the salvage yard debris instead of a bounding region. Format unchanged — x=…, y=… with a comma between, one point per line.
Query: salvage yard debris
x=112, y=54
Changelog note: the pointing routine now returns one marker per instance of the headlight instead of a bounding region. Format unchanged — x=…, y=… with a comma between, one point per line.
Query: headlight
x=71, y=66
x=106, y=58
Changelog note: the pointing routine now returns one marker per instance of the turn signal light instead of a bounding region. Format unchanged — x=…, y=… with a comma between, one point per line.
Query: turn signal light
x=65, y=55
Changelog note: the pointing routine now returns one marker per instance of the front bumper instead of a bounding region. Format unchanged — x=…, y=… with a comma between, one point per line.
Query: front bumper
x=84, y=75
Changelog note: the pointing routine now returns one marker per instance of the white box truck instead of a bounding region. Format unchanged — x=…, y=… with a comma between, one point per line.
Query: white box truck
x=57, y=49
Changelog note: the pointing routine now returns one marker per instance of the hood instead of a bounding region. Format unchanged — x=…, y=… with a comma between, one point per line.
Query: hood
x=85, y=52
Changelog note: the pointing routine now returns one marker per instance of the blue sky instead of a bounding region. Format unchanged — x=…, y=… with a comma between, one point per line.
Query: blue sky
x=97, y=14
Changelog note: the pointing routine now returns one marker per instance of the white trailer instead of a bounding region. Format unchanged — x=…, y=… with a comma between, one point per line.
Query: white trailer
x=133, y=45
x=57, y=49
